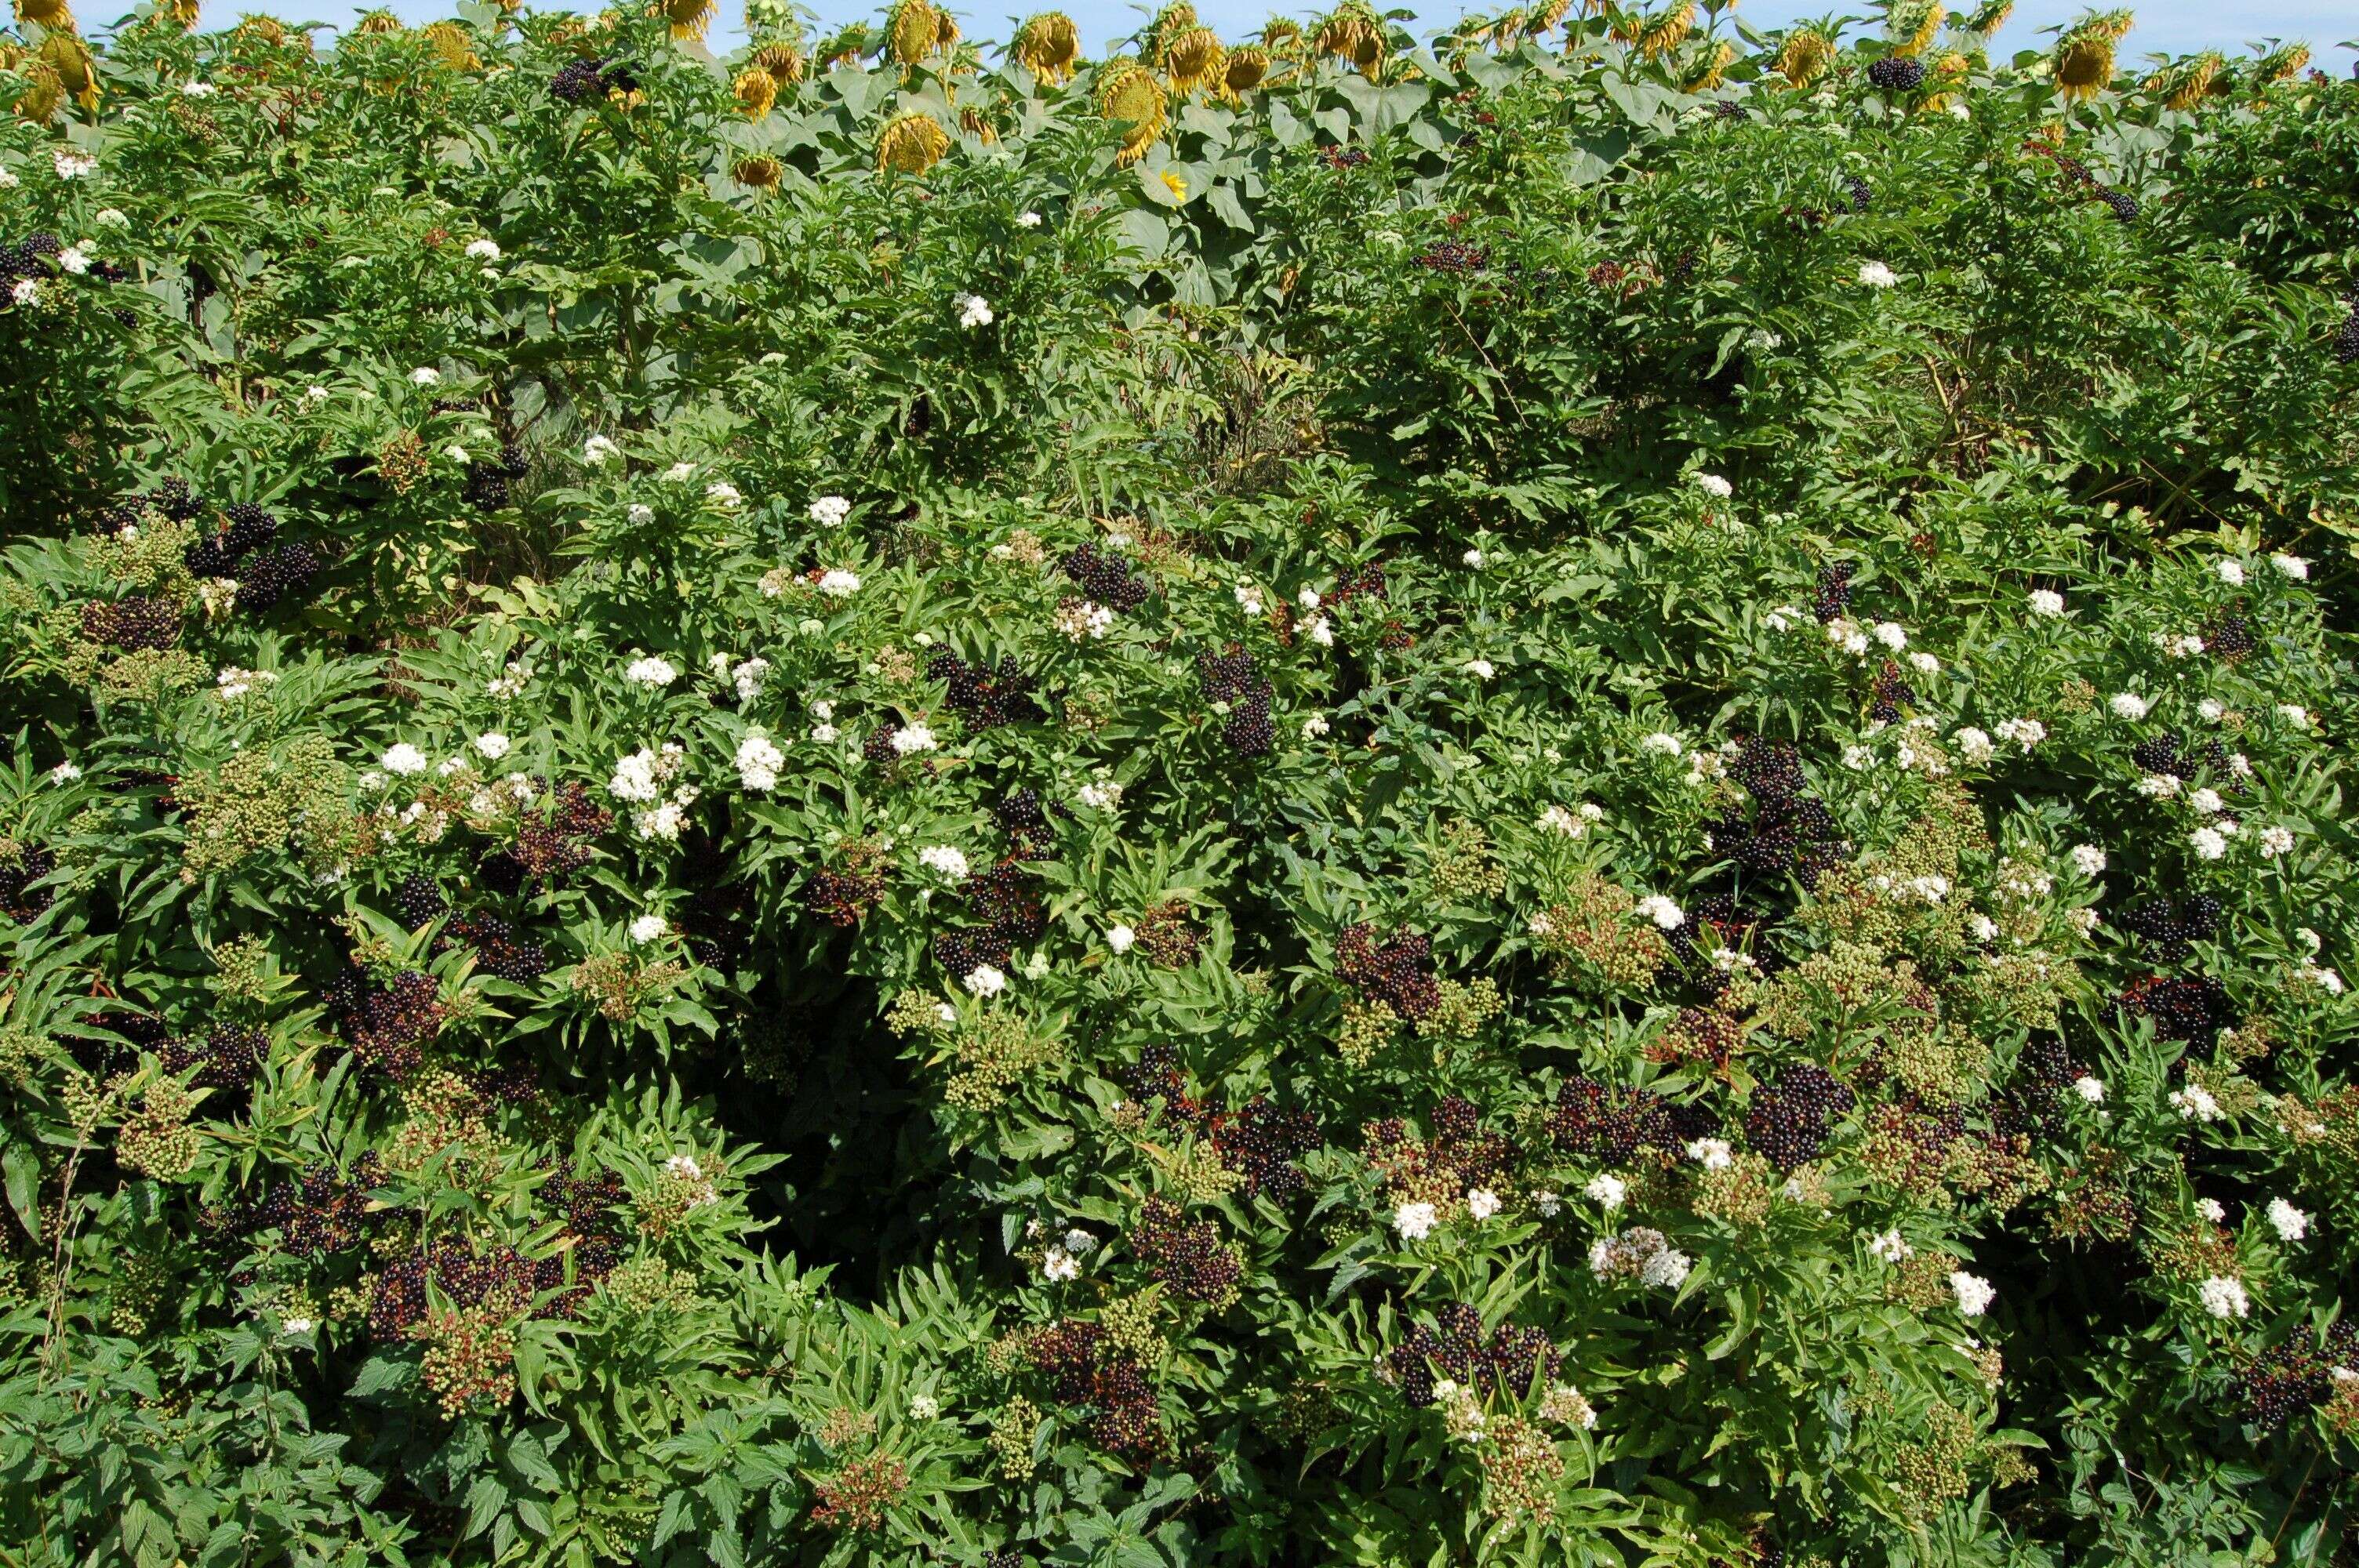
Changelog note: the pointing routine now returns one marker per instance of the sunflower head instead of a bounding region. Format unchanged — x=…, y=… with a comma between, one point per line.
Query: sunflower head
x=1047, y=45
x=1169, y=22
x=1195, y=59
x=757, y=172
x=453, y=46
x=1704, y=77
x=1666, y=33
x=1249, y=63
x=2188, y=83
x=2084, y=62
x=1989, y=16
x=1129, y=95
x=976, y=124
x=180, y=14
x=42, y=92
x=1283, y=38
x=756, y=90
x=912, y=145
x=51, y=14
x=783, y=60
x=1546, y=17
x=2280, y=64
x=687, y=18
x=380, y=24
x=69, y=58
x=911, y=28
x=1176, y=184
x=1803, y=57
x=1912, y=24
x=1352, y=33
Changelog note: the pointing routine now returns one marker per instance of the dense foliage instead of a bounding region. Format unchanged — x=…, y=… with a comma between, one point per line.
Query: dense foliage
x=1572, y=795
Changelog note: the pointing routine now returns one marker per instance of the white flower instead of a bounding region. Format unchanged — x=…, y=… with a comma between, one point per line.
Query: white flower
x=27, y=291
x=2195, y=1103
x=403, y=760
x=2211, y=1209
x=2288, y=1222
x=2276, y=840
x=2324, y=979
x=1889, y=1246
x=1314, y=726
x=1058, y=1266
x=924, y=1407
x=2083, y=921
x=984, y=980
x=2293, y=567
x=598, y=450
x=635, y=777
x=2158, y=786
x=974, y=311
x=1556, y=819
x=2184, y=646
x=664, y=822
x=2207, y=843
x=1548, y=1205
x=2047, y=601
x=75, y=260
x=747, y=677
x=1121, y=939
x=758, y=761
x=648, y=927
x=73, y=165
x=425, y=375
x=198, y=90
x=484, y=250
x=1481, y=669
x=914, y=738
x=1975, y=1294
x=1028, y=220
x=1321, y=632
x=1472, y=558
x=1973, y=745
x=2091, y=1089
x=1308, y=598
x=2224, y=1296
x=948, y=862
x=1925, y=664
x=1712, y=1153
x=651, y=672
x=2240, y=764
x=824, y=734
x=2025, y=732
x=2213, y=709
x=2089, y=858
x=296, y=1327
x=1714, y=485
x=1665, y=1270
x=685, y=1166
x=1414, y=1220
x=830, y=510
x=2128, y=705
x=1482, y=1202
x=1982, y=926
x=1661, y=911
x=641, y=514
x=1876, y=275
x=838, y=583
x=492, y=745
x=2231, y=573
x=1662, y=743
x=2294, y=714
x=1248, y=599
x=1606, y=1190
x=723, y=494
x=1891, y=634
x=2206, y=800
x=64, y=773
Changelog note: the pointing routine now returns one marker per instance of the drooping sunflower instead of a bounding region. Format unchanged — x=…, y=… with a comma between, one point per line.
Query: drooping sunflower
x=1249, y=63
x=1352, y=32
x=51, y=14
x=977, y=124
x=76, y=72
x=1175, y=18
x=1129, y=95
x=42, y=94
x=2189, y=83
x=2085, y=55
x=1283, y=38
x=756, y=90
x=180, y=14
x=1802, y=59
x=1048, y=44
x=912, y=144
x=688, y=18
x=783, y=60
x=453, y=46
x=1988, y=18
x=1705, y=74
x=1195, y=59
x=2280, y=64
x=1912, y=24
x=911, y=28
x=848, y=46
x=757, y=172
x=380, y=24
x=1546, y=17
x=1943, y=76
x=1663, y=34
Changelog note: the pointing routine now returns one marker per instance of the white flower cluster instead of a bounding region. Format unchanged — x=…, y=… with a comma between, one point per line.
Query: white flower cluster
x=758, y=761
x=641, y=779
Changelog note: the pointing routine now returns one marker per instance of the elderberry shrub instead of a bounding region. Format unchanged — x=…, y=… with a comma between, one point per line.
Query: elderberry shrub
x=1787, y=1122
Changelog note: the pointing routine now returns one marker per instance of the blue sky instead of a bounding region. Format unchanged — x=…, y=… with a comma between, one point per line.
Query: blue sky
x=2165, y=25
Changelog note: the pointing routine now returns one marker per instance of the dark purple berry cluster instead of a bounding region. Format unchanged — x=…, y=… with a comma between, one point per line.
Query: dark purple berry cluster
x=1087, y=1367
x=1159, y=1076
x=1188, y=1258
x=491, y=481
x=553, y=846
x=1508, y=1365
x=1895, y=73
x=387, y=1025
x=1233, y=677
x=844, y=897
x=2168, y=753
x=1454, y=257
x=2169, y=928
x=2346, y=338
x=578, y=81
x=1787, y=831
x=321, y=1212
x=19, y=869
x=1105, y=578
x=1787, y=1122
x=1006, y=904
x=1396, y=970
x=219, y=553
x=132, y=625
x=2295, y=1376
x=1832, y=596
x=1861, y=194
x=226, y=1056
x=2193, y=1010
x=986, y=696
x=272, y=577
x=1263, y=1140
x=1610, y=1122
x=1893, y=694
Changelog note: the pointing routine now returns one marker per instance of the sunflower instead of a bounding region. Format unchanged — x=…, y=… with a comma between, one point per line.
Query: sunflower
x=912, y=144
x=1283, y=38
x=1803, y=57
x=1249, y=63
x=453, y=46
x=911, y=28
x=783, y=60
x=69, y=58
x=1705, y=78
x=1913, y=23
x=1352, y=32
x=2085, y=57
x=1546, y=17
x=1666, y=32
x=181, y=13
x=1169, y=22
x=848, y=46
x=756, y=92
x=1048, y=44
x=1129, y=95
x=42, y=94
x=757, y=172
x=2280, y=64
x=689, y=18
x=1176, y=184
x=976, y=123
x=50, y=15
x=1989, y=16
x=1195, y=59
x=380, y=24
